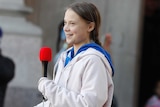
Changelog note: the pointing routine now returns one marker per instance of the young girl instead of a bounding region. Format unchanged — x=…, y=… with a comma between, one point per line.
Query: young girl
x=84, y=71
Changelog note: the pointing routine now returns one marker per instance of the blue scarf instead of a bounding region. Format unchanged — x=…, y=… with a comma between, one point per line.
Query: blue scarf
x=70, y=53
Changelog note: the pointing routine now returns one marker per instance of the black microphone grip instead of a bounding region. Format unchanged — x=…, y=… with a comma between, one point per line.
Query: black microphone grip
x=44, y=68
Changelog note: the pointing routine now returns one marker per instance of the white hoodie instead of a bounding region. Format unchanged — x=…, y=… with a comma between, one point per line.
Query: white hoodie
x=86, y=81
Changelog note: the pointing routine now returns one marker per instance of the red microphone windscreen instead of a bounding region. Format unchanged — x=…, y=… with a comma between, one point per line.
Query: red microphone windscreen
x=45, y=54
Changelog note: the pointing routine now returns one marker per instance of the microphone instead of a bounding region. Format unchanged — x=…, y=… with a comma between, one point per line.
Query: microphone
x=45, y=55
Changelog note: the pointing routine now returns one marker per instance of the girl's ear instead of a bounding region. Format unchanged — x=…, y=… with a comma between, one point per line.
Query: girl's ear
x=91, y=26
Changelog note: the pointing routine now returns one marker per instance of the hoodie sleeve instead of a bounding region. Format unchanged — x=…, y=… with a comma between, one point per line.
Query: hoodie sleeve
x=94, y=91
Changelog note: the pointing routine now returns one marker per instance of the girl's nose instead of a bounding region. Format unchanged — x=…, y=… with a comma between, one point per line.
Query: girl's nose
x=66, y=28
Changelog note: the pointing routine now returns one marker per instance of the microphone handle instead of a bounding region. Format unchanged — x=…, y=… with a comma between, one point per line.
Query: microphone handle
x=44, y=67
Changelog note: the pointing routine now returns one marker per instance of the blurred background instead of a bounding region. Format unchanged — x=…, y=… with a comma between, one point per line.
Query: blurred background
x=134, y=25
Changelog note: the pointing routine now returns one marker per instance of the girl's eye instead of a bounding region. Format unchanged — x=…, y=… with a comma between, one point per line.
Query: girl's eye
x=72, y=23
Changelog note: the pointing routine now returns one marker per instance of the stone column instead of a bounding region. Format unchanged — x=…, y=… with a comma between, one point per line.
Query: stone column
x=123, y=21
x=21, y=42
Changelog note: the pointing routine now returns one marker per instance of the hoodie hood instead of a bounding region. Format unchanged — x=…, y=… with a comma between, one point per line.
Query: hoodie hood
x=70, y=53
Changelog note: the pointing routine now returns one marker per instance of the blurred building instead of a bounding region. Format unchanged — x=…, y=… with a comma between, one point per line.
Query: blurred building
x=124, y=19
x=21, y=42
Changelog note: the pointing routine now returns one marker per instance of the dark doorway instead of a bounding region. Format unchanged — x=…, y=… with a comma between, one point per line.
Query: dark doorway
x=150, y=64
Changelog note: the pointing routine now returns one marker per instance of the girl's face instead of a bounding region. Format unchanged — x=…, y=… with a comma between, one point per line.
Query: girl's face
x=76, y=29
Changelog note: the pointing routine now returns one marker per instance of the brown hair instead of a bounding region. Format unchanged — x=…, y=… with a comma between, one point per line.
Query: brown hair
x=90, y=13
